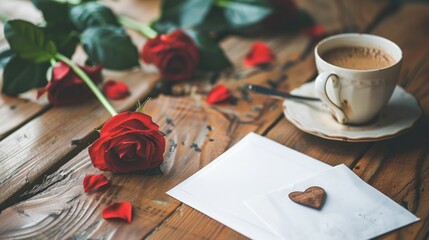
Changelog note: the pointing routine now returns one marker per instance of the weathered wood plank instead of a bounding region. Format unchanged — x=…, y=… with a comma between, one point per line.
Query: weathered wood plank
x=400, y=167
x=29, y=152
x=189, y=125
x=197, y=133
x=19, y=9
x=297, y=76
x=191, y=118
x=42, y=138
x=15, y=112
x=349, y=153
x=344, y=15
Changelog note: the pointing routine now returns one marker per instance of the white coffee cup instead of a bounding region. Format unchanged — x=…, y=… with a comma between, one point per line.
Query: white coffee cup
x=356, y=96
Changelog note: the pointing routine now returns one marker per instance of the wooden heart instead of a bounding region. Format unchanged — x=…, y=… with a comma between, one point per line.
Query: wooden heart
x=313, y=197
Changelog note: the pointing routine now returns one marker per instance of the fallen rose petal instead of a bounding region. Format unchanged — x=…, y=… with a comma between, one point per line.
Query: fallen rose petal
x=121, y=210
x=218, y=94
x=258, y=54
x=115, y=90
x=91, y=182
x=315, y=31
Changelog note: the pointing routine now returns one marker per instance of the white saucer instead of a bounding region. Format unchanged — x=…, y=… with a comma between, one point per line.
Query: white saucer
x=401, y=113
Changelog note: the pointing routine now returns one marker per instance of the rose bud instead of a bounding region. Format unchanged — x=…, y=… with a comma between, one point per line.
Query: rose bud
x=175, y=55
x=128, y=142
x=66, y=87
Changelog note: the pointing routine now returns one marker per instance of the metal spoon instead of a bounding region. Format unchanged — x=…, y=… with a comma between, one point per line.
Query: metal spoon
x=272, y=92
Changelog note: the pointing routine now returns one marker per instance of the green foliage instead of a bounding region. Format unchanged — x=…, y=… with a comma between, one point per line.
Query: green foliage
x=54, y=13
x=243, y=13
x=22, y=75
x=5, y=56
x=214, y=15
x=65, y=42
x=212, y=57
x=92, y=14
x=29, y=41
x=181, y=14
x=101, y=45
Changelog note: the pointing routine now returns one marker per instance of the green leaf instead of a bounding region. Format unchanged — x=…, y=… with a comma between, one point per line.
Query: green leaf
x=92, y=14
x=243, y=13
x=54, y=13
x=181, y=14
x=164, y=26
x=110, y=46
x=66, y=42
x=29, y=41
x=215, y=21
x=212, y=57
x=59, y=28
x=5, y=56
x=21, y=75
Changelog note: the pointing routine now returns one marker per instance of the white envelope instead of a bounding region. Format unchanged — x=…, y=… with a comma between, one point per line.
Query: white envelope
x=353, y=209
x=253, y=166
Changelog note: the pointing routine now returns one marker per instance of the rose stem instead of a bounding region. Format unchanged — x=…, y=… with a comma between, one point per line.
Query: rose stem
x=88, y=82
x=146, y=30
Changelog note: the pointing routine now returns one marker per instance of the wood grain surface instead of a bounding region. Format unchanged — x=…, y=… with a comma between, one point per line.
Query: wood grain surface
x=41, y=172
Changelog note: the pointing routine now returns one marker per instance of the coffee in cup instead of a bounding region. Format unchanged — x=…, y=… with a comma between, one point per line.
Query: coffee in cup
x=357, y=75
x=359, y=58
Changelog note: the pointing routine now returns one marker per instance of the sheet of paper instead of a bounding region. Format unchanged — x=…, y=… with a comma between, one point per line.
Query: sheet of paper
x=353, y=209
x=253, y=166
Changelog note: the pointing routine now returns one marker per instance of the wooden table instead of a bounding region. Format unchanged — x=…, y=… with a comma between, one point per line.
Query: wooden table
x=43, y=149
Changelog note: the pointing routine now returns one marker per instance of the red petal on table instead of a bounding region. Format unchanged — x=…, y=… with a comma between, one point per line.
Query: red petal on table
x=91, y=182
x=115, y=90
x=258, y=54
x=218, y=94
x=315, y=31
x=121, y=210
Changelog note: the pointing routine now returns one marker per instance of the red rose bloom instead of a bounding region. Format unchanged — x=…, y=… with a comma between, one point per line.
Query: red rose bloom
x=128, y=142
x=175, y=55
x=65, y=87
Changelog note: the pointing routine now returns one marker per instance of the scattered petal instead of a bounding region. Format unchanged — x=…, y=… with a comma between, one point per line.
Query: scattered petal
x=315, y=31
x=121, y=210
x=218, y=94
x=258, y=54
x=115, y=90
x=92, y=182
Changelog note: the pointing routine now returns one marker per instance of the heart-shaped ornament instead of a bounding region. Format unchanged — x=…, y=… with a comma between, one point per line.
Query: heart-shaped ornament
x=313, y=197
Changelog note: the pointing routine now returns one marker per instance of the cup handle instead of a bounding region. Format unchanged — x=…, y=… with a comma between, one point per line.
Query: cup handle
x=321, y=82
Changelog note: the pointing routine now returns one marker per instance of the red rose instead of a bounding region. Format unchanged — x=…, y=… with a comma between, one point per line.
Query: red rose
x=128, y=142
x=65, y=87
x=175, y=55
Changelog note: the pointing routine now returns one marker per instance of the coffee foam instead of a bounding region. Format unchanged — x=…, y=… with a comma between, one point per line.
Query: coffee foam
x=359, y=58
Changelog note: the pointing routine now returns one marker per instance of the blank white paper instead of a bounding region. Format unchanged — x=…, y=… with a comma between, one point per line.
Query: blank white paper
x=254, y=166
x=352, y=210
